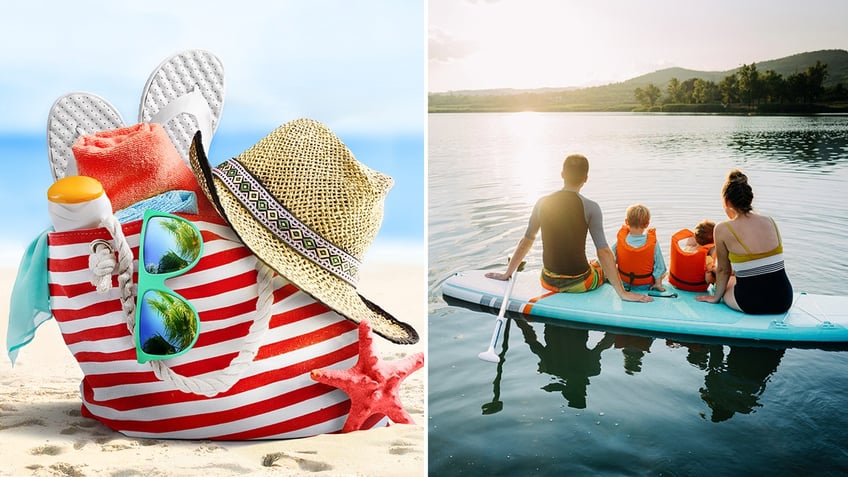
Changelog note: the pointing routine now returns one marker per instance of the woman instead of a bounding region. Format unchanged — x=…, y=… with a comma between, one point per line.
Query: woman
x=749, y=243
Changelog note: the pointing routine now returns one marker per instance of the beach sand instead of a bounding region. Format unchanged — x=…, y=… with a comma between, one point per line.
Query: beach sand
x=43, y=433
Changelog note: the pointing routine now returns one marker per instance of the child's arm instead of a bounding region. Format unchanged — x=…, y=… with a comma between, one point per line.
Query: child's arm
x=710, y=273
x=659, y=269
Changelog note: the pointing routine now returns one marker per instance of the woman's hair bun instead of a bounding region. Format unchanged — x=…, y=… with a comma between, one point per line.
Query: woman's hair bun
x=737, y=191
x=737, y=176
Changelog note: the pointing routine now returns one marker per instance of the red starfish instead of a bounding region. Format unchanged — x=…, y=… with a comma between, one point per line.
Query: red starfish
x=371, y=384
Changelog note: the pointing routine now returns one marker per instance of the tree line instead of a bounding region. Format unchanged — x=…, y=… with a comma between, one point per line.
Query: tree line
x=747, y=86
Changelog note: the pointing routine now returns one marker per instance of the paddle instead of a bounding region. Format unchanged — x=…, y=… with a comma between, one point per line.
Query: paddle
x=496, y=405
x=489, y=354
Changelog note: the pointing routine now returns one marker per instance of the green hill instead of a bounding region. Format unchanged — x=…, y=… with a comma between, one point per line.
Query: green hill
x=836, y=60
x=619, y=96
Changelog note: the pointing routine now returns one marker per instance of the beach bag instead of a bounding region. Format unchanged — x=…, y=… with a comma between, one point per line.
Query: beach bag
x=247, y=376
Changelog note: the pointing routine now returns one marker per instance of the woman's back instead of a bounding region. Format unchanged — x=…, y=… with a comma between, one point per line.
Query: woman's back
x=751, y=234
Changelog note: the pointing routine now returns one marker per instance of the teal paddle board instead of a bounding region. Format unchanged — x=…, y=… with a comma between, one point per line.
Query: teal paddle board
x=812, y=317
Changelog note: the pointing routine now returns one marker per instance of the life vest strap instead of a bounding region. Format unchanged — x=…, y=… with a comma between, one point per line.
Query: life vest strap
x=691, y=284
x=630, y=277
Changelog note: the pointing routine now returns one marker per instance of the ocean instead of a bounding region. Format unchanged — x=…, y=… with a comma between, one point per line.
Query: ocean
x=23, y=187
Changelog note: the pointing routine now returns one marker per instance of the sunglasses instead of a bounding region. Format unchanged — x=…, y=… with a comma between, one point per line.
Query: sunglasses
x=167, y=325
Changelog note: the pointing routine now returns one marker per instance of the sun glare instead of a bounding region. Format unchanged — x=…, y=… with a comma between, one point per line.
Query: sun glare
x=534, y=166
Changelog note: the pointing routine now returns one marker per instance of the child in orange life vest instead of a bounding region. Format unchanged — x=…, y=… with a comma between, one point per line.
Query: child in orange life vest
x=692, y=265
x=637, y=252
x=703, y=237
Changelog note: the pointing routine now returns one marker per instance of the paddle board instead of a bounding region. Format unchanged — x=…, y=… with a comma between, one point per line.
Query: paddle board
x=812, y=318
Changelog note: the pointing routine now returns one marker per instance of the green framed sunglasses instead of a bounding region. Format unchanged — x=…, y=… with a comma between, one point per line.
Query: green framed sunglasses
x=166, y=324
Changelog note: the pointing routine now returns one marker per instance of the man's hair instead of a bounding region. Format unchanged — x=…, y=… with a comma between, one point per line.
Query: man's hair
x=575, y=168
x=638, y=216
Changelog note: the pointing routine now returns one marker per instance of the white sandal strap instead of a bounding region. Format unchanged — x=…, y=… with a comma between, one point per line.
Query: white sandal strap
x=192, y=103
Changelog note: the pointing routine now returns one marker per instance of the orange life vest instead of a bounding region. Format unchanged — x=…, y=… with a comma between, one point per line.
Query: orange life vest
x=635, y=264
x=686, y=269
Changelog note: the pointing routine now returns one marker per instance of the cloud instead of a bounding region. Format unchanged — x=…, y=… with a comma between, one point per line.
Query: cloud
x=445, y=48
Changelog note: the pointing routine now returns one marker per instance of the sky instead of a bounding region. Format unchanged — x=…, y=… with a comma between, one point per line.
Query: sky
x=358, y=67
x=482, y=44
x=355, y=66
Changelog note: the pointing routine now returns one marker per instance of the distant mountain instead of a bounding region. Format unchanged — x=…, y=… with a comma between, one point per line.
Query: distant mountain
x=619, y=96
x=836, y=60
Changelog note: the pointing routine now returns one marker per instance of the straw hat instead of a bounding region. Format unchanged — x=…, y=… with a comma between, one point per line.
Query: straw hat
x=305, y=206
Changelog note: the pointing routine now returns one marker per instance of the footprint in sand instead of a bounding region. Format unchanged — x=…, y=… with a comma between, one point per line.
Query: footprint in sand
x=60, y=468
x=46, y=450
x=24, y=423
x=269, y=460
x=402, y=447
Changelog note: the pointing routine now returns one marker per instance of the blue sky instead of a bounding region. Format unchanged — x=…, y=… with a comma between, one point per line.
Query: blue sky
x=480, y=44
x=355, y=66
x=358, y=67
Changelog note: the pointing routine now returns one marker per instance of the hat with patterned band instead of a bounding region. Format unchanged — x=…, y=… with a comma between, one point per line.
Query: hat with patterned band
x=303, y=204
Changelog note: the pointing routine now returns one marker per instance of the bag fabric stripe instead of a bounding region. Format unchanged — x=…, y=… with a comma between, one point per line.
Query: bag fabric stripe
x=274, y=398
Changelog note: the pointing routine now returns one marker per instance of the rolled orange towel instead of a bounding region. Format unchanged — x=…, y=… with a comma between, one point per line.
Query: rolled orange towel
x=135, y=163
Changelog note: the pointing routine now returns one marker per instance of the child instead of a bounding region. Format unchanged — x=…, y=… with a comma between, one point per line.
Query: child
x=637, y=253
x=693, y=258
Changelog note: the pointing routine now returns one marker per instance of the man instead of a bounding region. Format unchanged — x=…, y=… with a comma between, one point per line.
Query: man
x=565, y=217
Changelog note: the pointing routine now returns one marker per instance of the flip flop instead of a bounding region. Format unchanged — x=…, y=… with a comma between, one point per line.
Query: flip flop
x=71, y=116
x=185, y=94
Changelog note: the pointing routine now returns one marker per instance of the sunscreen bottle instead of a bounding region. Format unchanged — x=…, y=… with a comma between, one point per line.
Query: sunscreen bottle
x=77, y=202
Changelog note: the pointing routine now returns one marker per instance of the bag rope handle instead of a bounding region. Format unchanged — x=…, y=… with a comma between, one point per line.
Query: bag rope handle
x=206, y=385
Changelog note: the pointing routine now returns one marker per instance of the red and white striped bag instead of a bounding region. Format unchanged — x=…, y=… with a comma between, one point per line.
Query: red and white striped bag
x=247, y=377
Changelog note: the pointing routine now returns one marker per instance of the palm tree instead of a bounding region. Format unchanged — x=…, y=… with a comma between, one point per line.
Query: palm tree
x=157, y=345
x=178, y=318
x=187, y=242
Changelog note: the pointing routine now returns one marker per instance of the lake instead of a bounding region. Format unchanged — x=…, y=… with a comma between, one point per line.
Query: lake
x=571, y=401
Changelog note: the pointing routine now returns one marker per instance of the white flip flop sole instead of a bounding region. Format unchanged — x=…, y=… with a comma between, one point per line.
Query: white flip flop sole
x=185, y=94
x=71, y=116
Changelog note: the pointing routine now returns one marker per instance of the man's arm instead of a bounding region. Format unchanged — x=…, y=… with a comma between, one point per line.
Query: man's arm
x=521, y=250
x=607, y=259
x=524, y=245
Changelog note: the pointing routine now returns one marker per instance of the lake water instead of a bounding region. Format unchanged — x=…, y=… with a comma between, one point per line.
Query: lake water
x=566, y=401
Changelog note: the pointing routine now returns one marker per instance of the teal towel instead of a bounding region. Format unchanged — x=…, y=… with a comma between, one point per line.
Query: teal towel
x=29, y=305
x=172, y=201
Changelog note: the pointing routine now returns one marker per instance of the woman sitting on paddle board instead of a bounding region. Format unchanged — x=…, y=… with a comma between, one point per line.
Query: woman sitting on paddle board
x=748, y=244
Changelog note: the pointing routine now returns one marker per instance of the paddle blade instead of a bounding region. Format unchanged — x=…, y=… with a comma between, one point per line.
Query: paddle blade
x=492, y=407
x=489, y=355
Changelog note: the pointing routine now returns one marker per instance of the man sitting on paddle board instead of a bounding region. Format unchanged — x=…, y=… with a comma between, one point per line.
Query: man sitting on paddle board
x=565, y=217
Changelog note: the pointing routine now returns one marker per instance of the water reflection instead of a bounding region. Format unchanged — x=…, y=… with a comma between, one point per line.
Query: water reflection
x=566, y=357
x=633, y=348
x=814, y=147
x=496, y=405
x=733, y=381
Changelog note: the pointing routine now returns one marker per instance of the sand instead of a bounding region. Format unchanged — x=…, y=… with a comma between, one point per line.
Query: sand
x=43, y=433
